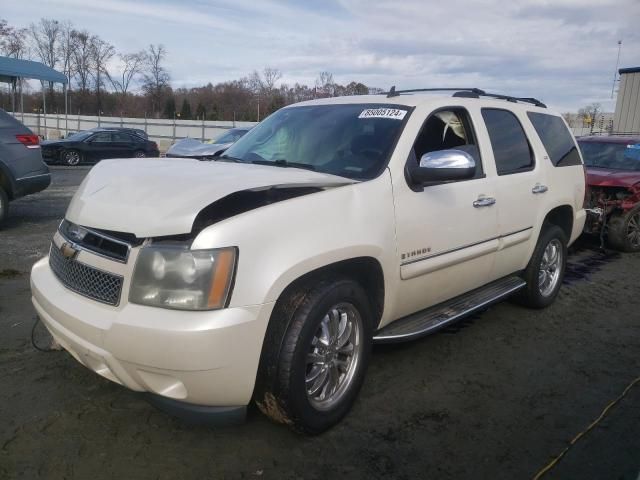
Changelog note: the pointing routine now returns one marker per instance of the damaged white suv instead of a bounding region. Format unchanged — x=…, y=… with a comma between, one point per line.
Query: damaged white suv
x=268, y=273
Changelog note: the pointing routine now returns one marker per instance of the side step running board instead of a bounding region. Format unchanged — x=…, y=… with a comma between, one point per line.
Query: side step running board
x=428, y=321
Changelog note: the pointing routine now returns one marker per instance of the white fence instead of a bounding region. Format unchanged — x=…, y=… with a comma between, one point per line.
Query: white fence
x=164, y=131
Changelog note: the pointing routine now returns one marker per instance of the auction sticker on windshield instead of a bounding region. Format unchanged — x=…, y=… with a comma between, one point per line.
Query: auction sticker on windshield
x=393, y=113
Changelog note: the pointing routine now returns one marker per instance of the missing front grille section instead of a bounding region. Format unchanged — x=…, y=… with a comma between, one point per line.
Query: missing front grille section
x=246, y=200
x=115, y=245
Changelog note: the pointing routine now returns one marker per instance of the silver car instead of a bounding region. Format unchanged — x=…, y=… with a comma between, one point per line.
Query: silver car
x=192, y=148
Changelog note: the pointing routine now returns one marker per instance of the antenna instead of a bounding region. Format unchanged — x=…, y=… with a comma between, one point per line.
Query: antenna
x=615, y=73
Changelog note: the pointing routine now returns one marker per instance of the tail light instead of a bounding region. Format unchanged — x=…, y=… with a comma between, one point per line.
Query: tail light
x=29, y=141
x=154, y=145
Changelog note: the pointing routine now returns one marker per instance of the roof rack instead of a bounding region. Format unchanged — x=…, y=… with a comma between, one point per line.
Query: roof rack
x=468, y=93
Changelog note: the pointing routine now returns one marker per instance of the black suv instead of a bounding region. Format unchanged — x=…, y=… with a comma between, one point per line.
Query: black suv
x=22, y=170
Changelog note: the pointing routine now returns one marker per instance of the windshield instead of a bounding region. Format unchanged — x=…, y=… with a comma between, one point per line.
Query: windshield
x=229, y=137
x=349, y=140
x=79, y=135
x=617, y=156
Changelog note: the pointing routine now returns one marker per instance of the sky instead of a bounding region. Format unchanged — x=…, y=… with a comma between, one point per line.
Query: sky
x=562, y=52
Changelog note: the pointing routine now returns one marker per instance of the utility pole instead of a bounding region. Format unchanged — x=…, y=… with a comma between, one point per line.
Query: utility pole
x=615, y=73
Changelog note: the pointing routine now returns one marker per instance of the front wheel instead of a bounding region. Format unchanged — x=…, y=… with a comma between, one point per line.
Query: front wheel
x=71, y=157
x=311, y=378
x=545, y=271
x=624, y=231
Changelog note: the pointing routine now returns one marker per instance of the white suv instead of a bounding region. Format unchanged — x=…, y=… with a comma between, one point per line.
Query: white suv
x=268, y=273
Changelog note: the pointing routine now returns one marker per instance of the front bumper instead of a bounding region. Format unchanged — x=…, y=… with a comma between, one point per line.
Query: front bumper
x=202, y=358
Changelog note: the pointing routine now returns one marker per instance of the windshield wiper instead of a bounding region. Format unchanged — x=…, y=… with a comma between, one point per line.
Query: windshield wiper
x=227, y=158
x=285, y=163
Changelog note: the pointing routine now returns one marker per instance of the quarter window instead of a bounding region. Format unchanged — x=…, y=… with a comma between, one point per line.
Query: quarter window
x=511, y=148
x=556, y=139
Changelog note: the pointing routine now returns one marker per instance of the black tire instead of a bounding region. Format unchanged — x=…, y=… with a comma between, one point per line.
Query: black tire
x=71, y=157
x=139, y=154
x=281, y=390
x=532, y=295
x=4, y=206
x=624, y=231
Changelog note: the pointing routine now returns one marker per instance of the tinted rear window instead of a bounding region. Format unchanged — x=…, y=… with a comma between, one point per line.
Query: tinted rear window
x=556, y=139
x=511, y=148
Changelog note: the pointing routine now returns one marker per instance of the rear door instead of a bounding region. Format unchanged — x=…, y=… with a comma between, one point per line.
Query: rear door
x=520, y=190
x=123, y=145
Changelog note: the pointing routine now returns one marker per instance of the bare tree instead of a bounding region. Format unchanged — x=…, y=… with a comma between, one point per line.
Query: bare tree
x=45, y=36
x=12, y=40
x=156, y=77
x=82, y=58
x=325, y=87
x=131, y=66
x=65, y=48
x=101, y=53
x=271, y=76
x=589, y=114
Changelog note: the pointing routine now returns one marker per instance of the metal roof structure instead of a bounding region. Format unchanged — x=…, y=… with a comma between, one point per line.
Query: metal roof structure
x=11, y=68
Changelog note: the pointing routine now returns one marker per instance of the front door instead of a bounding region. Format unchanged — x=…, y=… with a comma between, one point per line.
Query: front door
x=446, y=233
x=99, y=146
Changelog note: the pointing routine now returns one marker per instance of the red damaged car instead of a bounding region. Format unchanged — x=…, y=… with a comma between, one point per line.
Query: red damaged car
x=613, y=177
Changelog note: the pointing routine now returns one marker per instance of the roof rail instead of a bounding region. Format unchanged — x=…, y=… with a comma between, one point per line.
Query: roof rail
x=467, y=93
x=394, y=93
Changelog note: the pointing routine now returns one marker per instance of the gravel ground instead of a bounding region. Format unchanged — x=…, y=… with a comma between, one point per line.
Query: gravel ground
x=497, y=396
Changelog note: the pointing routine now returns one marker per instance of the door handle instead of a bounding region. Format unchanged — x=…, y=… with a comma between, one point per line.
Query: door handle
x=483, y=201
x=539, y=188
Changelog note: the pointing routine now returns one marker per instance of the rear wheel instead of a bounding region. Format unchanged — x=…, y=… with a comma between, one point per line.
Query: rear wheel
x=71, y=157
x=310, y=378
x=139, y=154
x=546, y=268
x=624, y=231
x=4, y=206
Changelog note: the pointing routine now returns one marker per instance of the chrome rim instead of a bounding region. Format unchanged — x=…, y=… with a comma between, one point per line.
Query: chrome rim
x=334, y=356
x=72, y=158
x=550, y=267
x=633, y=230
x=139, y=154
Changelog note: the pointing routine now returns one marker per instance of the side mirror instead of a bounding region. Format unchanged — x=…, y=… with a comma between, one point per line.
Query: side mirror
x=443, y=166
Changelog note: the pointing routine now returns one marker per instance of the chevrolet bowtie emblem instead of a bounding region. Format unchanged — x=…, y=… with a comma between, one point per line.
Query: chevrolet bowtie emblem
x=68, y=251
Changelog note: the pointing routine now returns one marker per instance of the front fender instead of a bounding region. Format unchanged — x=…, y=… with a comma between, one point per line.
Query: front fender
x=281, y=242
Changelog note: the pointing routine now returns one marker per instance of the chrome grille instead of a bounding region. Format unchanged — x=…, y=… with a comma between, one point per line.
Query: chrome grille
x=88, y=281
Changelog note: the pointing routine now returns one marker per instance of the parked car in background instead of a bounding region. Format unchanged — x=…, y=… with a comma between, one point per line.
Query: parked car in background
x=333, y=224
x=613, y=177
x=192, y=148
x=135, y=131
x=91, y=146
x=22, y=170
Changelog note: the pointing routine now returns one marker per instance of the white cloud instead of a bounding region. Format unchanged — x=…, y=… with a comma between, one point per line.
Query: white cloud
x=562, y=51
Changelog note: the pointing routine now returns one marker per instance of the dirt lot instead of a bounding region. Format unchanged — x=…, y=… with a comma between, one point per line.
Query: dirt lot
x=495, y=397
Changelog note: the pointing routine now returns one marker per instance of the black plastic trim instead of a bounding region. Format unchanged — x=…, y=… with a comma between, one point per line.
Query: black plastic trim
x=198, y=414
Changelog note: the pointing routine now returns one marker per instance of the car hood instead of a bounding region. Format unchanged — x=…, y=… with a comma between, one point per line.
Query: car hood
x=162, y=197
x=604, y=177
x=190, y=147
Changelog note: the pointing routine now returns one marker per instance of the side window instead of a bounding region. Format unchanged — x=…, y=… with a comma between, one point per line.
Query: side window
x=447, y=129
x=511, y=148
x=556, y=139
x=101, y=137
x=122, y=137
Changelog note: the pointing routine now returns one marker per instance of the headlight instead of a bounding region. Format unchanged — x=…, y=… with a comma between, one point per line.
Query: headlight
x=175, y=277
